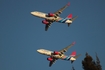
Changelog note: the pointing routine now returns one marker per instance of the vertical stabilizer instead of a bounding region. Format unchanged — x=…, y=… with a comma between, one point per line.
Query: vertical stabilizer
x=69, y=16
x=73, y=54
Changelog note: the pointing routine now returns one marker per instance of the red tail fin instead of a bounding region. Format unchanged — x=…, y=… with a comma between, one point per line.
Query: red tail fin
x=73, y=53
x=69, y=16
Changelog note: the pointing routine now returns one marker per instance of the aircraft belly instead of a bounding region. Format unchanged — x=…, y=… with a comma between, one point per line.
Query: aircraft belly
x=58, y=19
x=58, y=56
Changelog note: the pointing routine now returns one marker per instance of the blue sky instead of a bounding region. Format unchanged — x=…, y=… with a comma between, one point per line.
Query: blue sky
x=21, y=34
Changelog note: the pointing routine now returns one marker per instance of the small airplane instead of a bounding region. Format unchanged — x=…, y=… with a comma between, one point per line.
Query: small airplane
x=55, y=55
x=54, y=17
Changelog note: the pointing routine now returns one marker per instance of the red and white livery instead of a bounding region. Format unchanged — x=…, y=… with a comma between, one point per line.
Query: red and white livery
x=49, y=18
x=55, y=55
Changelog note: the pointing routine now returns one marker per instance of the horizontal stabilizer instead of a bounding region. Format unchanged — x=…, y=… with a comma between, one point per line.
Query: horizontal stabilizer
x=73, y=18
x=77, y=56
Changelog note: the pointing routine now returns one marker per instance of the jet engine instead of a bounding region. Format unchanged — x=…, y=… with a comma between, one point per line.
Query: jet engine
x=49, y=59
x=51, y=14
x=45, y=22
x=56, y=53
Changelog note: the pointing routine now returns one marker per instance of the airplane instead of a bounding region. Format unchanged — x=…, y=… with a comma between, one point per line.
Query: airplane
x=55, y=55
x=49, y=18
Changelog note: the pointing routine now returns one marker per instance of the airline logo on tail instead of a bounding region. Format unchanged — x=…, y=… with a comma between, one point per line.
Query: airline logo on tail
x=73, y=54
x=69, y=16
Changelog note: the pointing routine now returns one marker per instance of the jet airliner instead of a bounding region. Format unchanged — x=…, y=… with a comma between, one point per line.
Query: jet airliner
x=55, y=55
x=49, y=18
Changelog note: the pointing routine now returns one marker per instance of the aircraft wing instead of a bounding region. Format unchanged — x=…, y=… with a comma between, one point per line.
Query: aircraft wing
x=66, y=48
x=58, y=12
x=47, y=26
x=51, y=62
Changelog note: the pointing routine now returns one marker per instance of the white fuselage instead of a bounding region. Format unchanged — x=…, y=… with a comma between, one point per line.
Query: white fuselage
x=44, y=52
x=43, y=15
x=48, y=53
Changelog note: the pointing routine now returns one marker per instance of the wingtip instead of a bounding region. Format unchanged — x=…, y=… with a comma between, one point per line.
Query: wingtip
x=68, y=4
x=73, y=43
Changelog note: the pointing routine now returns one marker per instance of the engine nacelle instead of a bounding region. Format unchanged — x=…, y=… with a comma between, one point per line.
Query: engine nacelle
x=49, y=59
x=56, y=53
x=45, y=22
x=51, y=14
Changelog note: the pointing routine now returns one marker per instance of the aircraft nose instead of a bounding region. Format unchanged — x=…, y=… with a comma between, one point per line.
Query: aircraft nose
x=38, y=50
x=32, y=12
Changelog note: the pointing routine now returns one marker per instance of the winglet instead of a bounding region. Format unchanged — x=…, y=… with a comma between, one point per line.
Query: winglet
x=73, y=43
x=68, y=4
